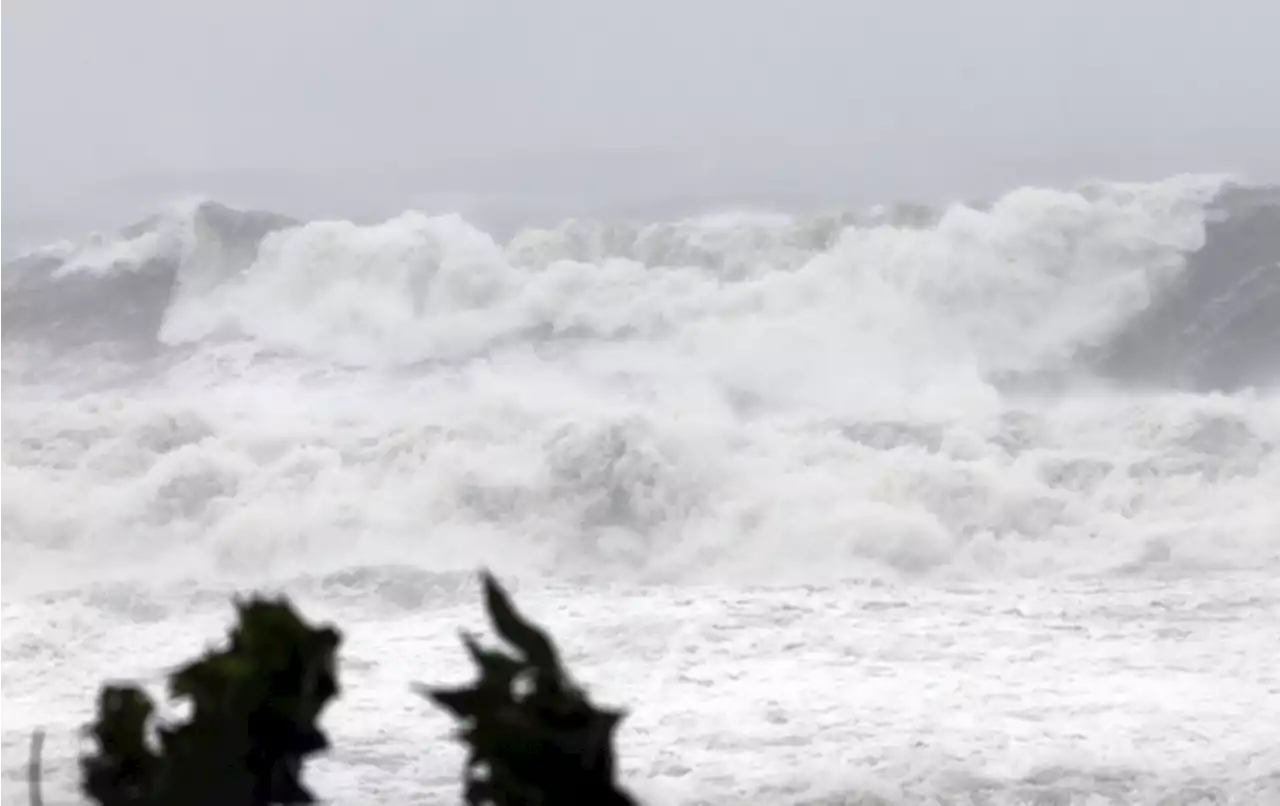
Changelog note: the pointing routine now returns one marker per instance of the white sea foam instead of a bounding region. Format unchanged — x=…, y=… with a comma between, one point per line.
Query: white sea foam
x=640, y=424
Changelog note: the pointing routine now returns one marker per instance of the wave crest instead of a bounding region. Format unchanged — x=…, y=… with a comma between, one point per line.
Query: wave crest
x=1173, y=283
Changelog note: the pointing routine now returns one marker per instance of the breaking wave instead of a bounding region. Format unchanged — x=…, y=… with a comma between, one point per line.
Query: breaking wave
x=1050, y=380
x=1173, y=284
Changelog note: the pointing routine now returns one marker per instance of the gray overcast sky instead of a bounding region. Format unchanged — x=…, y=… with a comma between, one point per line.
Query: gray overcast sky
x=370, y=103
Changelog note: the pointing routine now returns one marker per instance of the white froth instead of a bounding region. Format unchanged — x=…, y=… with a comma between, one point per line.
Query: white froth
x=970, y=592
x=165, y=236
x=1019, y=286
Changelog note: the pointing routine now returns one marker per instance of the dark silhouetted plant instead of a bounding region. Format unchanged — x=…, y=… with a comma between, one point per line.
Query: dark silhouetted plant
x=254, y=706
x=534, y=739
x=532, y=735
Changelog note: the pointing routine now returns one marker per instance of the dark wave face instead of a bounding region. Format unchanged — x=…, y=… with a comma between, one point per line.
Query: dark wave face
x=116, y=291
x=1218, y=326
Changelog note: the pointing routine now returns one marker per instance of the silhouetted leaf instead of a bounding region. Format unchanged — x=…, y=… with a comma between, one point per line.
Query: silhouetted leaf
x=519, y=633
x=496, y=668
x=254, y=705
x=549, y=747
x=461, y=702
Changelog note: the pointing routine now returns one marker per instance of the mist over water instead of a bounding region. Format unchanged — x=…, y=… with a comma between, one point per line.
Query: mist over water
x=1055, y=380
x=1055, y=387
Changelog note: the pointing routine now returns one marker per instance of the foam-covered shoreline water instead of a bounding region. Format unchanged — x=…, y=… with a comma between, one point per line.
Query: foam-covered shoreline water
x=1068, y=392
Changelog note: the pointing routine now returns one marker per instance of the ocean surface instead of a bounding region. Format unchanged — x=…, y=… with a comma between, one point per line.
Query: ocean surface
x=963, y=504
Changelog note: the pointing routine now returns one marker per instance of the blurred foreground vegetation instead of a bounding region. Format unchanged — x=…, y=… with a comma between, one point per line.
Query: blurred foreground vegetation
x=532, y=736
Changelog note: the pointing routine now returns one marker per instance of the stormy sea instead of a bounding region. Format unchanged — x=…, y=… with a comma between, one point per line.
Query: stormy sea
x=975, y=503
